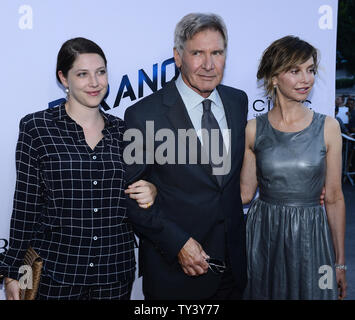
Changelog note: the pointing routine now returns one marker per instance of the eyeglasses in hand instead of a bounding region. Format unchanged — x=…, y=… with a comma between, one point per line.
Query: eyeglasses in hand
x=216, y=266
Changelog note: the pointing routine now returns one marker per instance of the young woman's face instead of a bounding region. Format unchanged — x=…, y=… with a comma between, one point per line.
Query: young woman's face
x=87, y=80
x=296, y=83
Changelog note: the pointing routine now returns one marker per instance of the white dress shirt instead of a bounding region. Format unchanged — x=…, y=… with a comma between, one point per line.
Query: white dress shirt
x=193, y=104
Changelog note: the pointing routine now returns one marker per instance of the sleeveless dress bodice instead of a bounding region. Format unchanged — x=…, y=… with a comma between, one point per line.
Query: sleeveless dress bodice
x=290, y=165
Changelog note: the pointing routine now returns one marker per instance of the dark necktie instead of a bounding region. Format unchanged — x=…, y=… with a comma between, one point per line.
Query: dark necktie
x=209, y=122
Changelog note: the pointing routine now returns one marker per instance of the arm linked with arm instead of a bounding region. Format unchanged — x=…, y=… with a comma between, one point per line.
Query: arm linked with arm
x=150, y=223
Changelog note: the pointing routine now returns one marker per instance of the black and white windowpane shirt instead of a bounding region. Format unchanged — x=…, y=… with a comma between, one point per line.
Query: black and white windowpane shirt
x=69, y=201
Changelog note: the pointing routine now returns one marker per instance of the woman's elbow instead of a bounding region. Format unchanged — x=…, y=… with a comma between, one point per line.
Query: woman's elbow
x=247, y=195
x=334, y=197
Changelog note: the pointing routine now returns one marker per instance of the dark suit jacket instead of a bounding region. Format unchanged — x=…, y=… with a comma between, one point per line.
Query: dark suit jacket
x=190, y=202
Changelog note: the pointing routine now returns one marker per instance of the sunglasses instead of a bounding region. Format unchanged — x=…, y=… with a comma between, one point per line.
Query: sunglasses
x=216, y=266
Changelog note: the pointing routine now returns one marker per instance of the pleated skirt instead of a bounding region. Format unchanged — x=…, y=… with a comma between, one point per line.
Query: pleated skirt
x=290, y=253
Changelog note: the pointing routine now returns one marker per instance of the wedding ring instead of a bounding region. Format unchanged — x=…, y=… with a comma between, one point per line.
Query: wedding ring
x=148, y=204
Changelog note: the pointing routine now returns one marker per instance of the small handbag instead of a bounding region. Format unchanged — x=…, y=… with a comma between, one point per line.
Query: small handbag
x=33, y=260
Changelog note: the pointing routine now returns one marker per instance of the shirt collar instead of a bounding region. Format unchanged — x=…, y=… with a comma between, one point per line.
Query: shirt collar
x=191, y=98
x=59, y=113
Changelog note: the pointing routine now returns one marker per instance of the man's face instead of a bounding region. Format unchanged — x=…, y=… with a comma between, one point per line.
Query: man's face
x=350, y=103
x=202, y=61
x=339, y=101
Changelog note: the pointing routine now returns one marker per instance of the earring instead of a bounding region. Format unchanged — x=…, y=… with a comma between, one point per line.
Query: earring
x=67, y=90
x=274, y=94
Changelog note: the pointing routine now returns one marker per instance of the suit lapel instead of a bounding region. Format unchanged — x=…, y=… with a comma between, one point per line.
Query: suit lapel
x=177, y=113
x=229, y=109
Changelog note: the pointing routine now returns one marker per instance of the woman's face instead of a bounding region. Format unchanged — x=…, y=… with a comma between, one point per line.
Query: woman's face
x=87, y=80
x=296, y=83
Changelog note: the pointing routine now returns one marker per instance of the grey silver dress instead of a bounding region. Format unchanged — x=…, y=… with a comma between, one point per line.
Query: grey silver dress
x=289, y=245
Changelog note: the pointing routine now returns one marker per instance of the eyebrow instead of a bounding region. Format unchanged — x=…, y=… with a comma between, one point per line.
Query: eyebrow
x=103, y=67
x=298, y=65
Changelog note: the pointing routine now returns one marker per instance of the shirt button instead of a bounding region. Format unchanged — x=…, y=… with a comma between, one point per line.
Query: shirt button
x=95, y=183
x=96, y=210
x=94, y=157
x=95, y=238
x=91, y=264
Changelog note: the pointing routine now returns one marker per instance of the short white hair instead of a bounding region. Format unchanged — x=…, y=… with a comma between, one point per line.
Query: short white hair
x=194, y=23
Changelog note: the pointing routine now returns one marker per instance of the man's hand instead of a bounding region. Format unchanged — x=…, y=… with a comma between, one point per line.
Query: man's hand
x=192, y=258
x=143, y=192
x=322, y=196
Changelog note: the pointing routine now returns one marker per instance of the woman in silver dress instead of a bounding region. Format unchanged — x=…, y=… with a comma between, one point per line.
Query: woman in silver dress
x=295, y=248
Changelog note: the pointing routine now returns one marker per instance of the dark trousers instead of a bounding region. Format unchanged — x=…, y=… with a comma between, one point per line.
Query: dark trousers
x=227, y=289
x=52, y=290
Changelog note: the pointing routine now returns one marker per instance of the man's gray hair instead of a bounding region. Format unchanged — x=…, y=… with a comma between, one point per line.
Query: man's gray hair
x=193, y=23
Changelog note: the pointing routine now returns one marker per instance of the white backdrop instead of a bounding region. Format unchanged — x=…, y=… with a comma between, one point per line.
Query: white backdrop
x=138, y=35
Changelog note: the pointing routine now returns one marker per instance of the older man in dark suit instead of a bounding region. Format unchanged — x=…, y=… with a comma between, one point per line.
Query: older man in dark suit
x=192, y=239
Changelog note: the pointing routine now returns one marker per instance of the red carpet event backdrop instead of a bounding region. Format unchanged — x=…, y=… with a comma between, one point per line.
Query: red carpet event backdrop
x=137, y=38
